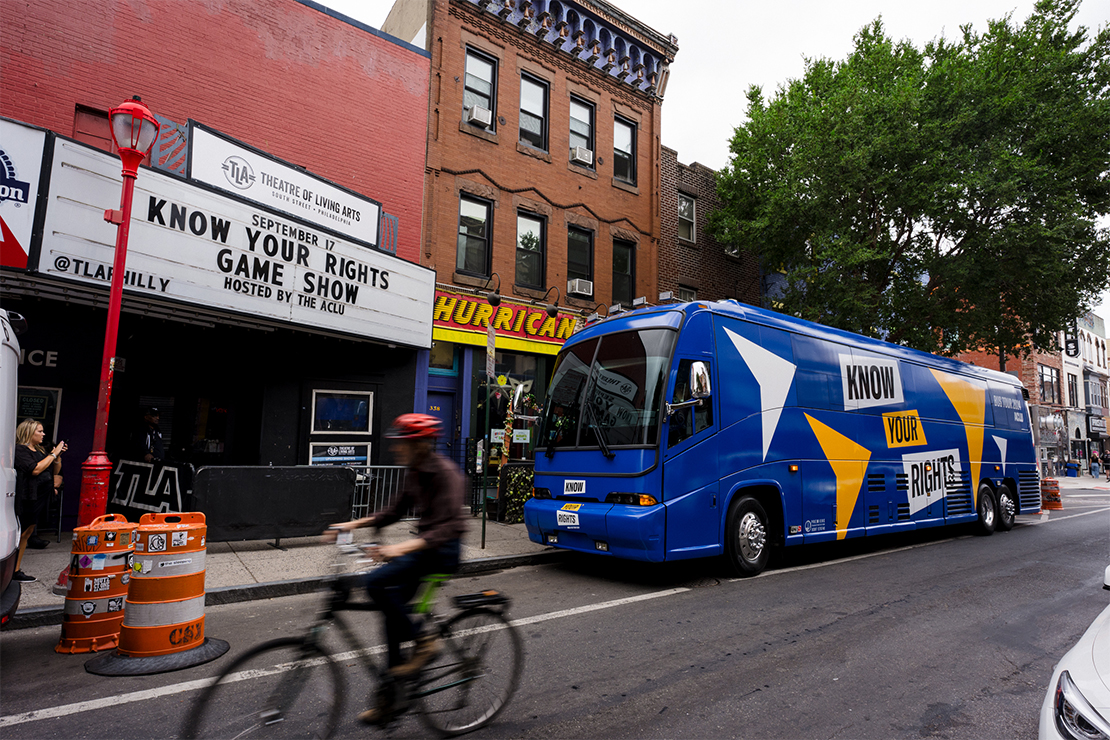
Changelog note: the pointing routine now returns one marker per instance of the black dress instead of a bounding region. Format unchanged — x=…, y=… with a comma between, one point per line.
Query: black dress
x=32, y=491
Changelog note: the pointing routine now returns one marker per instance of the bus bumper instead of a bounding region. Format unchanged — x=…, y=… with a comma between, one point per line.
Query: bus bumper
x=632, y=532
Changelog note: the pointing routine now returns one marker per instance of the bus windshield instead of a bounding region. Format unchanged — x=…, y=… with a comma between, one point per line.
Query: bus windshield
x=623, y=377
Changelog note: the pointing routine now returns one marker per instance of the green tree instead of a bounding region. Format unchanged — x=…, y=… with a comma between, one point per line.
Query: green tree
x=945, y=198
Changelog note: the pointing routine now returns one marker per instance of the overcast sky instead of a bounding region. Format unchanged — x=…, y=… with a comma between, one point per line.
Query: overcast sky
x=725, y=46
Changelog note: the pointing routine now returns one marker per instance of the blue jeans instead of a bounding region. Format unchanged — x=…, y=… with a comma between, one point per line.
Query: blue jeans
x=393, y=585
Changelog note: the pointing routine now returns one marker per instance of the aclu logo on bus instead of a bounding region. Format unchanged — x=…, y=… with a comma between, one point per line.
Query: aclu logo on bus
x=930, y=475
x=870, y=381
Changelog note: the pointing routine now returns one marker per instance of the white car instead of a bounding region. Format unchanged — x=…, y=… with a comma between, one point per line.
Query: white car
x=1077, y=706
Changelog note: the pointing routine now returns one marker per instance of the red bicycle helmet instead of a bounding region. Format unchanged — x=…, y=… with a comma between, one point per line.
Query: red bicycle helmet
x=414, y=426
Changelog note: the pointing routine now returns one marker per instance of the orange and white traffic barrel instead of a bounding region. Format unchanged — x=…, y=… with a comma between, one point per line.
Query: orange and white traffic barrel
x=1050, y=494
x=99, y=572
x=163, y=623
x=165, y=604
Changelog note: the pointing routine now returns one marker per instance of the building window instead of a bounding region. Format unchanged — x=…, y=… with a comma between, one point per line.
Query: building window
x=581, y=133
x=443, y=359
x=580, y=255
x=624, y=150
x=687, y=294
x=1073, y=391
x=687, y=213
x=533, y=112
x=624, y=272
x=480, y=90
x=92, y=127
x=1050, y=384
x=1094, y=393
x=474, y=237
x=529, y=250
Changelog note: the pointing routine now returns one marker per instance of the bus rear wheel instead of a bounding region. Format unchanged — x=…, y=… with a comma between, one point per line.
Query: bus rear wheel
x=747, y=546
x=987, y=512
x=1007, y=509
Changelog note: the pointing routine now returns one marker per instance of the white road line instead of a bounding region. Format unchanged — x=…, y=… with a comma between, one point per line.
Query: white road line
x=1045, y=520
x=826, y=563
x=178, y=688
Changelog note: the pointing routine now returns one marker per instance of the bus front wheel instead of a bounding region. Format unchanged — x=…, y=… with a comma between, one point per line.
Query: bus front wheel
x=987, y=512
x=748, y=547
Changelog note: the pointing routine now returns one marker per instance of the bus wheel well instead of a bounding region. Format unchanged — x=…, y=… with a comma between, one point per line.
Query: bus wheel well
x=771, y=501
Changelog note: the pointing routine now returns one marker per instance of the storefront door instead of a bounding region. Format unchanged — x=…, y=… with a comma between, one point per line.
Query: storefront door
x=441, y=404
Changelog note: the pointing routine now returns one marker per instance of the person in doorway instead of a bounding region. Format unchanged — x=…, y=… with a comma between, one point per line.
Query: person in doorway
x=35, y=469
x=434, y=485
x=1094, y=463
x=148, y=439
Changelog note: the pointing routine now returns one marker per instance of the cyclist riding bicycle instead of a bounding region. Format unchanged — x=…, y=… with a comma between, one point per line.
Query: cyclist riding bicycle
x=434, y=485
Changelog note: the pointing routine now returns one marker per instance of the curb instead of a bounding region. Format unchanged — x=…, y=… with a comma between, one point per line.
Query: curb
x=44, y=616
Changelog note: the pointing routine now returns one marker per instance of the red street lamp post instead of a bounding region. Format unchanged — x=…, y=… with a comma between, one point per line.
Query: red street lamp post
x=134, y=130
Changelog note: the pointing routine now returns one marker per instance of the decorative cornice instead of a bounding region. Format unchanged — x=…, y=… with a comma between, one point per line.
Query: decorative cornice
x=593, y=33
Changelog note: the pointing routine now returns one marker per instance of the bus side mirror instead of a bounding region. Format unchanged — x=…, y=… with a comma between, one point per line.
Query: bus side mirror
x=699, y=380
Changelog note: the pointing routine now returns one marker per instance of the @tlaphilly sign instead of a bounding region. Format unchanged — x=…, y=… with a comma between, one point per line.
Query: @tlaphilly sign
x=233, y=167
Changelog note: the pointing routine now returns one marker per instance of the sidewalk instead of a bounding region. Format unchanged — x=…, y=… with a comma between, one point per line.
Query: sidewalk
x=1084, y=481
x=256, y=569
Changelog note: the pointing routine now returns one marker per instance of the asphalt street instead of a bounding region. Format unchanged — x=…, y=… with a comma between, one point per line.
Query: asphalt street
x=936, y=634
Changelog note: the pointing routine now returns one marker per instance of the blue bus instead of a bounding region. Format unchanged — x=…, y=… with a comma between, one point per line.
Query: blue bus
x=702, y=429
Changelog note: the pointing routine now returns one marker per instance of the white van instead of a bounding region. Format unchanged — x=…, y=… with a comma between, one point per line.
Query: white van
x=10, y=590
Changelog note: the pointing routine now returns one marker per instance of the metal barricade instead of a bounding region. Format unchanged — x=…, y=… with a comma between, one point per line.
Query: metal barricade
x=376, y=486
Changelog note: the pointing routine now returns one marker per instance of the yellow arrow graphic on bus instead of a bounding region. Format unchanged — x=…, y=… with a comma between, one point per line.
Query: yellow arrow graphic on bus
x=848, y=461
x=970, y=402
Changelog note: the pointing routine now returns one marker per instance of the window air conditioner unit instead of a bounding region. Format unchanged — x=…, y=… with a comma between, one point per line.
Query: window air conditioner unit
x=582, y=155
x=479, y=116
x=578, y=286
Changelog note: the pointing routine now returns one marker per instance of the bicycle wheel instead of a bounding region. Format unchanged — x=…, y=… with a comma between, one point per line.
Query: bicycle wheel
x=282, y=688
x=474, y=675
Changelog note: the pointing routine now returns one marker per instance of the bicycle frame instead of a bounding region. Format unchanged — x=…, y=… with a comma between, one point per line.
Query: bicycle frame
x=338, y=601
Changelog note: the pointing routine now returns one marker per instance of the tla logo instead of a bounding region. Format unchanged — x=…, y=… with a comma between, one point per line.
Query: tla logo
x=238, y=172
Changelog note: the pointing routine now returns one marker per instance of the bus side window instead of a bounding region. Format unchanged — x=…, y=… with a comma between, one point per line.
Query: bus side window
x=685, y=423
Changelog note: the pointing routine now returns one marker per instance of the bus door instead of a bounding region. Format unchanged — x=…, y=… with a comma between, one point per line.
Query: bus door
x=690, y=456
x=690, y=470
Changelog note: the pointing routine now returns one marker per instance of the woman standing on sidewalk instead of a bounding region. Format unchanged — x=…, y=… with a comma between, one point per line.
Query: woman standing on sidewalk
x=35, y=470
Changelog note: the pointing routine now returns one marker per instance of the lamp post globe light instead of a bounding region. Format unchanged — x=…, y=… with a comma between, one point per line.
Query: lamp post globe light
x=134, y=130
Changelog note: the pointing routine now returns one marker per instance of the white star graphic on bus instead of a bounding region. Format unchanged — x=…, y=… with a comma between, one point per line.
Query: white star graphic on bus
x=1001, y=442
x=773, y=375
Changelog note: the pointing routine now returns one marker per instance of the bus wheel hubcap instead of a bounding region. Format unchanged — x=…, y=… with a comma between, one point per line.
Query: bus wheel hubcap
x=1007, y=506
x=752, y=536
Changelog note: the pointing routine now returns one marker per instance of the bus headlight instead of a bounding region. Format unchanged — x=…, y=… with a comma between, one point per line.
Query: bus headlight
x=632, y=499
x=1074, y=715
x=541, y=493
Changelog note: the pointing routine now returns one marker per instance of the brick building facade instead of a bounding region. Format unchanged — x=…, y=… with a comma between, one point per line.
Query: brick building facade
x=543, y=150
x=264, y=73
x=237, y=380
x=692, y=264
x=1068, y=395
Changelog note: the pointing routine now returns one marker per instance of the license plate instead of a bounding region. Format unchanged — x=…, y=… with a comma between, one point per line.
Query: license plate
x=571, y=507
x=566, y=518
